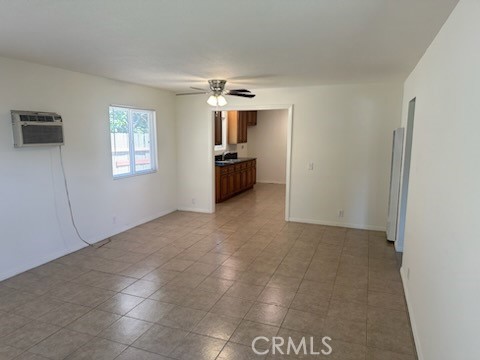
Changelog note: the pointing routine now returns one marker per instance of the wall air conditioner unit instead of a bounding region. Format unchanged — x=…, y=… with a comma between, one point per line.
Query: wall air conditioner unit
x=31, y=128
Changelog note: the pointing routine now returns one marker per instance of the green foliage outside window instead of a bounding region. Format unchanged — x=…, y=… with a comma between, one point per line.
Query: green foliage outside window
x=119, y=121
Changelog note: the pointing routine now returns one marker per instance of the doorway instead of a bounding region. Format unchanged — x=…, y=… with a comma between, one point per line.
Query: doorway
x=271, y=169
x=406, y=176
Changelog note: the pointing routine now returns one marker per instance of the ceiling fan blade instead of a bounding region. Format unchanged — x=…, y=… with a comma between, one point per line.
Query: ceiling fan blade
x=199, y=89
x=241, y=94
x=240, y=90
x=192, y=93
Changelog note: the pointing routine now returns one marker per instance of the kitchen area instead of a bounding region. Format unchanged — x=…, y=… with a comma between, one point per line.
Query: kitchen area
x=233, y=173
x=249, y=147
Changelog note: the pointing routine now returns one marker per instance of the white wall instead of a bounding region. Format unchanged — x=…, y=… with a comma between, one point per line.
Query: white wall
x=346, y=130
x=442, y=243
x=267, y=141
x=34, y=222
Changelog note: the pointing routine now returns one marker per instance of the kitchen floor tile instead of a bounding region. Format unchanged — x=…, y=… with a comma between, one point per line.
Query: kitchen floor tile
x=267, y=314
x=150, y=310
x=233, y=307
x=247, y=331
x=137, y=354
x=182, y=317
x=94, y=322
x=160, y=339
x=61, y=344
x=125, y=330
x=29, y=335
x=99, y=349
x=120, y=304
x=65, y=314
x=217, y=326
x=194, y=347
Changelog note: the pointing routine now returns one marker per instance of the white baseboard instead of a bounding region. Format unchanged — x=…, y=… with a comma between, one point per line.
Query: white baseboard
x=199, y=210
x=142, y=221
x=416, y=338
x=340, y=224
x=270, y=182
x=38, y=260
x=35, y=261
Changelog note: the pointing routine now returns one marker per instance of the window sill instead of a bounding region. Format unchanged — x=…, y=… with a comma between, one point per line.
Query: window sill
x=139, y=173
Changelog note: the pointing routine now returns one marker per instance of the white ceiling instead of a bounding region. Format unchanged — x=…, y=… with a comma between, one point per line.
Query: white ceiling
x=175, y=44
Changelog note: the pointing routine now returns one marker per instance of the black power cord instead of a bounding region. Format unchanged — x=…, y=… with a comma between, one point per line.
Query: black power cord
x=67, y=192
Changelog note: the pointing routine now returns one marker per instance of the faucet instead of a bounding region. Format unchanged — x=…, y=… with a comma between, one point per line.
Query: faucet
x=225, y=153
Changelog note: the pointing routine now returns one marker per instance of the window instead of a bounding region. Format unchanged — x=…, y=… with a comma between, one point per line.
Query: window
x=220, y=119
x=132, y=136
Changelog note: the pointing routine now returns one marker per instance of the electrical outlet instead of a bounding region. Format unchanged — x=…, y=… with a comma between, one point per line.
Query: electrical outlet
x=408, y=273
x=310, y=166
x=340, y=213
x=193, y=201
x=114, y=219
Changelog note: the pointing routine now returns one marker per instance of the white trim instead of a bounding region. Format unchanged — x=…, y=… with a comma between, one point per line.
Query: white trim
x=211, y=160
x=289, y=162
x=255, y=107
x=35, y=260
x=405, y=176
x=339, y=224
x=131, y=107
x=416, y=337
x=198, y=210
x=139, y=173
x=152, y=121
x=140, y=222
x=398, y=246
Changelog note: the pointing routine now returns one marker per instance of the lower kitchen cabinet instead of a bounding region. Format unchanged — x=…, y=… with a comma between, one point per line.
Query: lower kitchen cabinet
x=233, y=179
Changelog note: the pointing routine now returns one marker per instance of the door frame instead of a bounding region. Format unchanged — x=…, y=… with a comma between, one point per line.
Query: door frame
x=289, y=108
x=406, y=163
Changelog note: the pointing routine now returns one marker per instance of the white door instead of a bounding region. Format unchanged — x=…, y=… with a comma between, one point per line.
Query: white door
x=395, y=173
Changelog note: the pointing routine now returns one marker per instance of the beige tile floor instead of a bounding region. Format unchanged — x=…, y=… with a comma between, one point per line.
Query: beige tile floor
x=201, y=286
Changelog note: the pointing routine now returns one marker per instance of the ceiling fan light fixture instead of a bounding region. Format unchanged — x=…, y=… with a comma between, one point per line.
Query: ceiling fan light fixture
x=221, y=100
x=212, y=100
x=217, y=100
x=217, y=91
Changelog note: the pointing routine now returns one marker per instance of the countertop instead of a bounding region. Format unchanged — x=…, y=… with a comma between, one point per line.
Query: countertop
x=229, y=162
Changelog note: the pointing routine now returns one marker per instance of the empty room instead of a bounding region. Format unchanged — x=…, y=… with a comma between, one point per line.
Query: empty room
x=239, y=180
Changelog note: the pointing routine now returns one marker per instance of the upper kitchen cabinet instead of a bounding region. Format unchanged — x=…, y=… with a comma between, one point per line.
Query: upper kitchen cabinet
x=238, y=121
x=251, y=117
x=237, y=127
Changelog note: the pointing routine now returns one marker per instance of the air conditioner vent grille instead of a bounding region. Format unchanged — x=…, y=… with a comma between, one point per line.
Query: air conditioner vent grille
x=40, y=118
x=42, y=134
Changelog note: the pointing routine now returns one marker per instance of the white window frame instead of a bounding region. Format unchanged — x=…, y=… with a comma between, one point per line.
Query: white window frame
x=153, y=142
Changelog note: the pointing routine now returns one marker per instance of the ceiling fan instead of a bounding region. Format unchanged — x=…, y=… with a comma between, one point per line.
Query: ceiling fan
x=217, y=91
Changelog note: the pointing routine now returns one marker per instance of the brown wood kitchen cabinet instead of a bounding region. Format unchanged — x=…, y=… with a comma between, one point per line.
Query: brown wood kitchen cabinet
x=251, y=117
x=234, y=178
x=237, y=128
x=238, y=122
